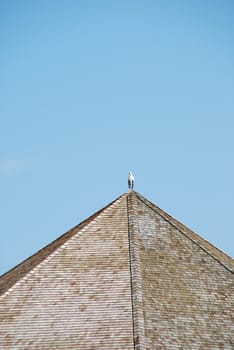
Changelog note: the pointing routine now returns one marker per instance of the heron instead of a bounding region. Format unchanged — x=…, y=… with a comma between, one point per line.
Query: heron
x=130, y=180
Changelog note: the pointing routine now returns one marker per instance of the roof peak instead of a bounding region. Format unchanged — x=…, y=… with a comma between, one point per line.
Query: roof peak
x=131, y=262
x=12, y=276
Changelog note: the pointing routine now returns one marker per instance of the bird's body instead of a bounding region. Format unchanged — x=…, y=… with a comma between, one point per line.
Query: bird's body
x=130, y=181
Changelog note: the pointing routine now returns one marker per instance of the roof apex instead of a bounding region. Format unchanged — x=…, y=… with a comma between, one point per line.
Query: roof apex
x=12, y=276
x=130, y=276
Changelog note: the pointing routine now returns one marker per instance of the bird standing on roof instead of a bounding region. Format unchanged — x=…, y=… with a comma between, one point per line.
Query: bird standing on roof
x=130, y=180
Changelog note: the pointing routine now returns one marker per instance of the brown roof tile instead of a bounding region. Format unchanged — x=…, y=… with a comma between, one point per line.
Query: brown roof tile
x=129, y=277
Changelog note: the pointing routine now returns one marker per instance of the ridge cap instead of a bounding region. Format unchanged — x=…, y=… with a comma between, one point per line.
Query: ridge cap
x=135, y=274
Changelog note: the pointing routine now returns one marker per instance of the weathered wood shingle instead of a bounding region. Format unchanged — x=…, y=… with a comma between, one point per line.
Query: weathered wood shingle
x=187, y=291
x=129, y=277
x=78, y=297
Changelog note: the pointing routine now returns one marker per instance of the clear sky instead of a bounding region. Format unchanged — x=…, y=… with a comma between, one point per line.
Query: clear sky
x=92, y=89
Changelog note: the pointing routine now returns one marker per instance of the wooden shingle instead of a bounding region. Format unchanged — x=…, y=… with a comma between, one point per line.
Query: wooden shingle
x=129, y=277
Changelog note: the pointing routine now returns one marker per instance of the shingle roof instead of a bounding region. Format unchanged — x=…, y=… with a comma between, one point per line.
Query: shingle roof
x=129, y=277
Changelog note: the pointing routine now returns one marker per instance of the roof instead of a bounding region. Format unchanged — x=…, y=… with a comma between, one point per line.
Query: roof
x=129, y=277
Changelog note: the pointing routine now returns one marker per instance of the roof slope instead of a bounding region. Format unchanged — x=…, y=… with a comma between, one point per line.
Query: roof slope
x=183, y=284
x=129, y=277
x=78, y=296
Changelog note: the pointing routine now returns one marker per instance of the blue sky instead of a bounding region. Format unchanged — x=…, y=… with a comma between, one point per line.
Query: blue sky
x=91, y=89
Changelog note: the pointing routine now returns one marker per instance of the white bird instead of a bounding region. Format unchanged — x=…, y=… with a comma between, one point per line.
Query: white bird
x=130, y=180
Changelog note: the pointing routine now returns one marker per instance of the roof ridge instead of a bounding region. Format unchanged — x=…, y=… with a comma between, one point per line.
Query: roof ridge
x=135, y=275
x=197, y=239
x=14, y=275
